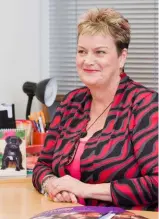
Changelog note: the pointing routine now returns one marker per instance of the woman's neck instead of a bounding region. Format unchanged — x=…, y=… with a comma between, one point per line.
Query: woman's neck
x=103, y=95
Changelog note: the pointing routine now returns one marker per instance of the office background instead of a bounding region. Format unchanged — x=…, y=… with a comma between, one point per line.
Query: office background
x=19, y=50
x=24, y=45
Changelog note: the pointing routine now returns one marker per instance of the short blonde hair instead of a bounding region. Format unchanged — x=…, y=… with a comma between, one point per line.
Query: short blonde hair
x=106, y=21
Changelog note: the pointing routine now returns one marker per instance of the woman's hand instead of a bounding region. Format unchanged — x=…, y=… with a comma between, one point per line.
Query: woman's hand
x=66, y=183
x=65, y=197
x=67, y=188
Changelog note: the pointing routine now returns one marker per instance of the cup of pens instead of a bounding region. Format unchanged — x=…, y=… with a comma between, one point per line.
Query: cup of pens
x=38, y=122
x=38, y=138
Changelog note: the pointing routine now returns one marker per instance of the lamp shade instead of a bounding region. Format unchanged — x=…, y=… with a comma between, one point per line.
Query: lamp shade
x=40, y=90
x=46, y=91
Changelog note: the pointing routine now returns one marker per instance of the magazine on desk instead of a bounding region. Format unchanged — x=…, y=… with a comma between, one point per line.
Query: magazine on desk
x=12, y=153
x=88, y=212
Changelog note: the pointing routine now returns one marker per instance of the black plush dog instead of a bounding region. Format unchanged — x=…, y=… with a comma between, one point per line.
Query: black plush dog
x=12, y=153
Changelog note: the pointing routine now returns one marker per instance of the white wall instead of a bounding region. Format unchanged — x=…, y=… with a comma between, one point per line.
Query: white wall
x=19, y=51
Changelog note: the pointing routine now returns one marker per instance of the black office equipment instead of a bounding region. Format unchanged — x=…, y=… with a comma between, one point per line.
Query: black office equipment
x=7, y=116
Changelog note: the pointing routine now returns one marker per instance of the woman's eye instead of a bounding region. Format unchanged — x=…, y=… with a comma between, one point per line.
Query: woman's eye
x=100, y=52
x=81, y=51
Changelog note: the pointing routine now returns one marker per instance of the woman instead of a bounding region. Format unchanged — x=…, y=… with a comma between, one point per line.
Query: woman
x=101, y=147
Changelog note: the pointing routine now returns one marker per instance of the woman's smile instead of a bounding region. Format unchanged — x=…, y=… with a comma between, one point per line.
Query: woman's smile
x=90, y=71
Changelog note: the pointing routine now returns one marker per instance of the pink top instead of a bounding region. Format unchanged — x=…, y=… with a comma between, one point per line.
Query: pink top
x=74, y=166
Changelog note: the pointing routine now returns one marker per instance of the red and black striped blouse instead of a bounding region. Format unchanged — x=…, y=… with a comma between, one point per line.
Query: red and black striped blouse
x=124, y=153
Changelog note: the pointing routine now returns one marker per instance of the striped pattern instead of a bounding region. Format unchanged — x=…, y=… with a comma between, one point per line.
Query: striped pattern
x=124, y=153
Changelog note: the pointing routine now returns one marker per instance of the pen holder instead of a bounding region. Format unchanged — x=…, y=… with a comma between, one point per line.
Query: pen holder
x=38, y=138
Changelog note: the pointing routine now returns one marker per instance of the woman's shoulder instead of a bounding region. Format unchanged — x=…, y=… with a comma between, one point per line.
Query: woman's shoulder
x=141, y=92
x=76, y=95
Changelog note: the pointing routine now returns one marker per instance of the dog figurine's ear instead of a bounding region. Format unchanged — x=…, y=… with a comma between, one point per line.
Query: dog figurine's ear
x=8, y=139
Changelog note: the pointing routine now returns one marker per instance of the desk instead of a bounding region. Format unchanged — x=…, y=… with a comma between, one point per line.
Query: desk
x=19, y=200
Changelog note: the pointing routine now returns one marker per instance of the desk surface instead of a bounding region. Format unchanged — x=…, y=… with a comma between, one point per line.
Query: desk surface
x=19, y=200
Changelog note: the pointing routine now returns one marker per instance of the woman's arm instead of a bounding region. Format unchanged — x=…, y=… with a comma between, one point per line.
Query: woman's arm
x=142, y=190
x=43, y=166
x=98, y=191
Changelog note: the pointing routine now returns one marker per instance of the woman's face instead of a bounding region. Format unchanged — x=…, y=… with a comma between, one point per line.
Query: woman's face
x=97, y=60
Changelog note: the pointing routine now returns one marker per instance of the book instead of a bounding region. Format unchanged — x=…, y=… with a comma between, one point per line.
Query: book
x=12, y=152
x=88, y=212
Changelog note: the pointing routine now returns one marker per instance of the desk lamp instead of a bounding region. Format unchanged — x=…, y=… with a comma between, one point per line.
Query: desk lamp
x=45, y=91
